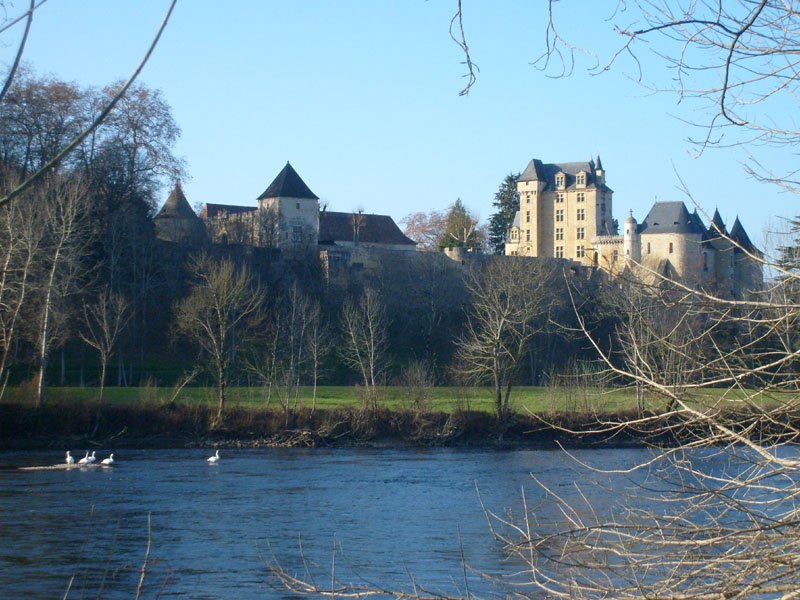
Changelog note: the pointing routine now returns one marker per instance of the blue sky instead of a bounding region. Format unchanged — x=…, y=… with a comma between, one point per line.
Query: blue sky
x=362, y=98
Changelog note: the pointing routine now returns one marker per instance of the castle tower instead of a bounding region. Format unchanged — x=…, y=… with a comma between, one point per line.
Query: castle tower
x=632, y=244
x=562, y=207
x=288, y=212
x=176, y=221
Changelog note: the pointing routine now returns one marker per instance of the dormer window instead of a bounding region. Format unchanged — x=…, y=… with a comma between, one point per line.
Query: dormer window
x=581, y=179
x=560, y=180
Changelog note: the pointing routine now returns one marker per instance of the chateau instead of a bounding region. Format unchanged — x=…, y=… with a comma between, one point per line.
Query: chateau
x=287, y=217
x=565, y=212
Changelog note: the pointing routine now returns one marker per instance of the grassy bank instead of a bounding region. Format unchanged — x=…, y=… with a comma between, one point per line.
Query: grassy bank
x=145, y=417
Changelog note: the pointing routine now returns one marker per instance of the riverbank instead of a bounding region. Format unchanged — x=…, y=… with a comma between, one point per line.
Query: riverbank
x=88, y=425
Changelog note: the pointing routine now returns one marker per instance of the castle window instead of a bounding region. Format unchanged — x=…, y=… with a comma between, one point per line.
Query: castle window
x=581, y=197
x=705, y=261
x=528, y=197
x=528, y=216
x=580, y=234
x=671, y=248
x=732, y=259
x=559, y=251
x=527, y=235
x=560, y=197
x=648, y=247
x=614, y=255
x=560, y=215
x=581, y=179
x=581, y=216
x=559, y=233
x=298, y=206
x=560, y=180
x=297, y=233
x=580, y=252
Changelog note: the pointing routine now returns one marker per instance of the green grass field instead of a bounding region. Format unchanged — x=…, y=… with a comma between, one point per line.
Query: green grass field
x=444, y=399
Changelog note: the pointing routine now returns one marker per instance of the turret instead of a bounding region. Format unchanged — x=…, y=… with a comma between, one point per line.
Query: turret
x=631, y=241
x=599, y=173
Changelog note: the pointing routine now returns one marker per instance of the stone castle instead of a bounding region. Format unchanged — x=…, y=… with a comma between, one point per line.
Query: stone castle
x=565, y=214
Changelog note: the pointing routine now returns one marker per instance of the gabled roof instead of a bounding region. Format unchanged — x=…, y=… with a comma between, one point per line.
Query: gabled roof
x=176, y=206
x=288, y=184
x=670, y=217
x=539, y=171
x=374, y=229
x=739, y=235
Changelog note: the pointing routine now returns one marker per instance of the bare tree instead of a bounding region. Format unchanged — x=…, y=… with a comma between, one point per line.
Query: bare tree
x=320, y=344
x=508, y=296
x=365, y=346
x=222, y=308
x=54, y=160
x=21, y=233
x=63, y=250
x=104, y=319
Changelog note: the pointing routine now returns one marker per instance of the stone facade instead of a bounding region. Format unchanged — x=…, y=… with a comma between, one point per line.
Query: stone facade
x=287, y=217
x=562, y=207
x=565, y=212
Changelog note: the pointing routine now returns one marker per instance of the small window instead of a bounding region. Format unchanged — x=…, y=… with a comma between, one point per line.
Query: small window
x=705, y=261
x=581, y=179
x=671, y=248
x=559, y=233
x=581, y=197
x=560, y=197
x=648, y=247
x=581, y=214
x=614, y=255
x=527, y=235
x=298, y=206
x=297, y=234
x=528, y=197
x=559, y=181
x=559, y=251
x=580, y=251
x=560, y=215
x=528, y=216
x=580, y=233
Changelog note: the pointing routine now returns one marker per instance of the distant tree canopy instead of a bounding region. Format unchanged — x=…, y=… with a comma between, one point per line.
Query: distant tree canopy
x=506, y=201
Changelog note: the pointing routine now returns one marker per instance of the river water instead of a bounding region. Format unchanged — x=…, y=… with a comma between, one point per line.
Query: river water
x=214, y=528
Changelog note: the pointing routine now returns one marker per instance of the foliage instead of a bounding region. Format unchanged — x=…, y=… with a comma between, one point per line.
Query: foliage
x=506, y=201
x=461, y=229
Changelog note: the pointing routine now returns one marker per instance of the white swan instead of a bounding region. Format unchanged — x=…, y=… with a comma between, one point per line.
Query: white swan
x=70, y=460
x=213, y=459
x=108, y=461
x=92, y=458
x=85, y=460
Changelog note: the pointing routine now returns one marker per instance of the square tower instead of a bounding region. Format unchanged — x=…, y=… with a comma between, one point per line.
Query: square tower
x=561, y=208
x=288, y=212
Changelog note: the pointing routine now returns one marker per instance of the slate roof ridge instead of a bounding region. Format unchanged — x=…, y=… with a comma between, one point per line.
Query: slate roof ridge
x=377, y=229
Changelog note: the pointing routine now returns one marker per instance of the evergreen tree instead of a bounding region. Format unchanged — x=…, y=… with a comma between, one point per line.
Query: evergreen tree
x=506, y=201
x=461, y=228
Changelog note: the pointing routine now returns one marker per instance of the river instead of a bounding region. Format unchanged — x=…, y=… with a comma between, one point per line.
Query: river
x=392, y=513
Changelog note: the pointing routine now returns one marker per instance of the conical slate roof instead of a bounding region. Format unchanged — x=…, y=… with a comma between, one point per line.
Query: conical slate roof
x=739, y=235
x=288, y=184
x=177, y=206
x=670, y=217
x=717, y=227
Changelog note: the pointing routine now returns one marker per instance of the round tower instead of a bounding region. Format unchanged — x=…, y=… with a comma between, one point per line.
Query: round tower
x=631, y=241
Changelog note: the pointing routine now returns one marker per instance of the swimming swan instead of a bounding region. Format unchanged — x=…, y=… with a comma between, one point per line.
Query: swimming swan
x=213, y=459
x=70, y=460
x=108, y=461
